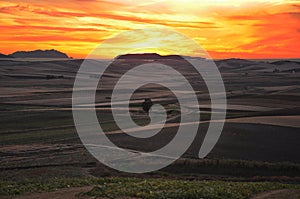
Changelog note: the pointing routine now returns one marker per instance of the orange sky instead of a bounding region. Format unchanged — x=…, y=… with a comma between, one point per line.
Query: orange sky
x=244, y=29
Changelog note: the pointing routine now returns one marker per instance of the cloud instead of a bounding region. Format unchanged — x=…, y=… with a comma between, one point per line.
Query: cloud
x=259, y=28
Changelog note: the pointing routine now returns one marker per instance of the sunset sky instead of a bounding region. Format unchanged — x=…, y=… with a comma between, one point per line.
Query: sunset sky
x=243, y=29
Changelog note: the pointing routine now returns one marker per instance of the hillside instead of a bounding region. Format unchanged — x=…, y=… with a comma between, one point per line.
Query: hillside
x=145, y=56
x=243, y=65
x=39, y=54
x=4, y=56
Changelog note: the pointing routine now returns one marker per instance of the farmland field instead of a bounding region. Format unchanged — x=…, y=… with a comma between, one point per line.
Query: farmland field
x=41, y=151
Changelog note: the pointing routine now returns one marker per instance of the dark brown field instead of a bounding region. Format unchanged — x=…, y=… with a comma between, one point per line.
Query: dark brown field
x=260, y=140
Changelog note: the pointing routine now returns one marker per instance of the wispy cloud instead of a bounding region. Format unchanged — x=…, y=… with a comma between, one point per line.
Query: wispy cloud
x=248, y=28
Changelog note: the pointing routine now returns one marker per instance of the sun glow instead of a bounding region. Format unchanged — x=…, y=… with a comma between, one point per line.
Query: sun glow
x=245, y=29
x=151, y=50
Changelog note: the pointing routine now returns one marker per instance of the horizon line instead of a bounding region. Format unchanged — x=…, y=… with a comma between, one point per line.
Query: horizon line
x=141, y=53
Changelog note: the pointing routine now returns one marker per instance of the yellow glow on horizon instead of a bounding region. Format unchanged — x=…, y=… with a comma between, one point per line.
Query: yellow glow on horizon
x=245, y=29
x=151, y=50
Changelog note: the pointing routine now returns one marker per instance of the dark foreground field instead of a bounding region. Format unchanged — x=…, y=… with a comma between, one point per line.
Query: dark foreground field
x=258, y=149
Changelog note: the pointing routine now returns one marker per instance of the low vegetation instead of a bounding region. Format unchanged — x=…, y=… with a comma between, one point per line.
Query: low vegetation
x=146, y=188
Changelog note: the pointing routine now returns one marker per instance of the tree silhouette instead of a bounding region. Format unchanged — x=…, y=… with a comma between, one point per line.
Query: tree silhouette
x=147, y=105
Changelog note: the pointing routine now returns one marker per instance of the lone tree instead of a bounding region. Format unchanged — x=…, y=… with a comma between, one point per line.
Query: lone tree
x=147, y=105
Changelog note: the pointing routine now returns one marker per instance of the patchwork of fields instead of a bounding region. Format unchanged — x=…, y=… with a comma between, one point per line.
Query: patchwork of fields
x=259, y=142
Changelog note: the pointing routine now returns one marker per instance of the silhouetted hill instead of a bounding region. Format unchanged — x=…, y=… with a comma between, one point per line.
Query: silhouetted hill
x=4, y=56
x=39, y=54
x=282, y=62
x=234, y=62
x=150, y=56
x=243, y=65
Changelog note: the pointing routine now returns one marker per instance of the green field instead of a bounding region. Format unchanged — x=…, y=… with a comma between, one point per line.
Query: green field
x=146, y=188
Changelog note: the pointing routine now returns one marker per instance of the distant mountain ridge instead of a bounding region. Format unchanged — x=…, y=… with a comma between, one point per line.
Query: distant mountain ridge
x=152, y=56
x=39, y=54
x=4, y=56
